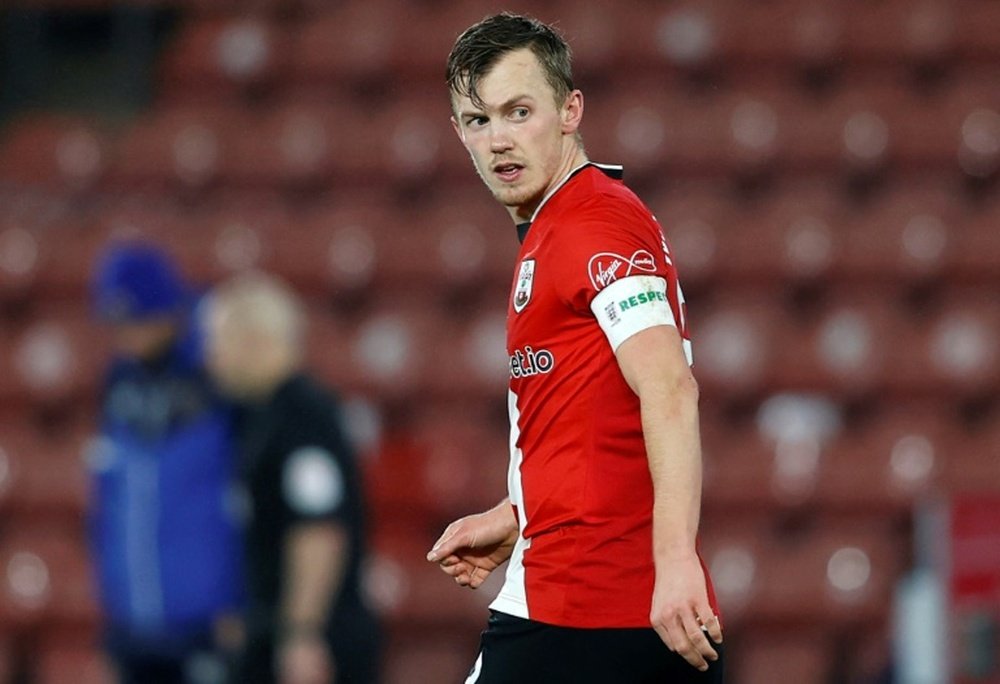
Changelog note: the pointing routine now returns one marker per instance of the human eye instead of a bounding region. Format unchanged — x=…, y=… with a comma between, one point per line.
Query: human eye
x=520, y=113
x=476, y=121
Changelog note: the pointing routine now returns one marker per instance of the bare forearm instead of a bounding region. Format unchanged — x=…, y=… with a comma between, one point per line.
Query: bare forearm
x=315, y=556
x=670, y=427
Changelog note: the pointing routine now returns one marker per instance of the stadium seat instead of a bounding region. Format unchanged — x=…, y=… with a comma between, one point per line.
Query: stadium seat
x=182, y=148
x=58, y=356
x=54, y=152
x=441, y=656
x=958, y=346
x=790, y=236
x=848, y=348
x=408, y=590
x=891, y=461
x=223, y=58
x=352, y=43
x=898, y=31
x=737, y=342
x=836, y=574
x=800, y=656
x=908, y=234
x=47, y=579
x=72, y=664
x=698, y=219
x=42, y=473
x=976, y=25
x=977, y=257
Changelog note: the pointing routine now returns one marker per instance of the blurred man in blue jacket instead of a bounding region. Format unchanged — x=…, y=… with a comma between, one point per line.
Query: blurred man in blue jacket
x=164, y=528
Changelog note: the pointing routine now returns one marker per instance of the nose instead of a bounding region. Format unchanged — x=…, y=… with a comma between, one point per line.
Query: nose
x=500, y=140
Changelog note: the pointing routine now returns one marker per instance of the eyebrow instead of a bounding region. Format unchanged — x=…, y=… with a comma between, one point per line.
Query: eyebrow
x=506, y=105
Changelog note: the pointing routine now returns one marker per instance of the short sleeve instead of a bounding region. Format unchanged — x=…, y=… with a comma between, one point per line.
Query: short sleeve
x=618, y=269
x=313, y=483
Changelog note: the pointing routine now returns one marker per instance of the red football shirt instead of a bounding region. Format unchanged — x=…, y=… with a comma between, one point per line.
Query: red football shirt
x=593, y=269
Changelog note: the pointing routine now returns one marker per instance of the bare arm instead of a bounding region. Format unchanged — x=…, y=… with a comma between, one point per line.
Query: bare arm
x=314, y=561
x=315, y=555
x=655, y=367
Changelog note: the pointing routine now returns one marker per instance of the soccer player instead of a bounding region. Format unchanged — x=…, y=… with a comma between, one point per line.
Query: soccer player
x=307, y=622
x=604, y=582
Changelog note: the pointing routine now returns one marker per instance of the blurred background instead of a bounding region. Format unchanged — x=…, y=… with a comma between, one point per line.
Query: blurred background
x=826, y=170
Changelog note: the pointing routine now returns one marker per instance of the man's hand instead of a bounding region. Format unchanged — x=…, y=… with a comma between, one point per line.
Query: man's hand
x=476, y=545
x=305, y=659
x=681, y=613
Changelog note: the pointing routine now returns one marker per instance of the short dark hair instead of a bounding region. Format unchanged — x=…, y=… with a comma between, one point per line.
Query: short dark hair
x=479, y=48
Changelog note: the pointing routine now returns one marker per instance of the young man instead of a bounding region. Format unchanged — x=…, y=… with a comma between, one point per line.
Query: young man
x=604, y=582
x=307, y=621
x=165, y=541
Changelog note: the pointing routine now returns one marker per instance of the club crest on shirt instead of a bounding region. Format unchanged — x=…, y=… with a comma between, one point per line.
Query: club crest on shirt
x=522, y=290
x=605, y=268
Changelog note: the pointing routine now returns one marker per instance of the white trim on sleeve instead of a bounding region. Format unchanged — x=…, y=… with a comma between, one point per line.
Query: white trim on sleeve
x=631, y=305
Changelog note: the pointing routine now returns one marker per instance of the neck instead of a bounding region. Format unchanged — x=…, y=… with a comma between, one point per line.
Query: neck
x=574, y=158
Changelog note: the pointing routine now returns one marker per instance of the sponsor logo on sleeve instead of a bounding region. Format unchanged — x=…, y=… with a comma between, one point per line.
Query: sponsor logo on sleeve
x=605, y=268
x=522, y=290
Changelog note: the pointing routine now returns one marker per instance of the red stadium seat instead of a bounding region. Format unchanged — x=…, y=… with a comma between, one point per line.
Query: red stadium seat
x=42, y=472
x=896, y=31
x=978, y=255
x=353, y=43
x=58, y=357
x=762, y=658
x=792, y=235
x=47, y=579
x=959, y=346
x=849, y=348
x=410, y=591
x=894, y=459
x=54, y=152
x=72, y=664
x=181, y=148
x=440, y=656
x=737, y=343
x=224, y=58
x=835, y=575
x=301, y=145
x=698, y=220
x=909, y=234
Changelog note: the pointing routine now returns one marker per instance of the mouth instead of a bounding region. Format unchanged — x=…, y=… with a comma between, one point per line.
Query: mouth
x=508, y=172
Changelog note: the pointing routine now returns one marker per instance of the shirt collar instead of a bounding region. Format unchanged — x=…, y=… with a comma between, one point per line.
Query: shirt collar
x=615, y=171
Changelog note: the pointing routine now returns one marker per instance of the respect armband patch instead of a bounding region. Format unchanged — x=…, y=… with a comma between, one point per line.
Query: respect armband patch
x=631, y=305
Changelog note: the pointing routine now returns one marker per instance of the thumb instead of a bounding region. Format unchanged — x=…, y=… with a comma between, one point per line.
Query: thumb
x=447, y=543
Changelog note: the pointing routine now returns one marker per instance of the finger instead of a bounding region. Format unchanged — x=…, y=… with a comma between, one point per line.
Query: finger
x=685, y=646
x=477, y=577
x=665, y=637
x=698, y=637
x=445, y=544
x=713, y=626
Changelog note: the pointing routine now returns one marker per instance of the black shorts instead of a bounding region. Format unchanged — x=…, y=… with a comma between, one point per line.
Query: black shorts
x=518, y=651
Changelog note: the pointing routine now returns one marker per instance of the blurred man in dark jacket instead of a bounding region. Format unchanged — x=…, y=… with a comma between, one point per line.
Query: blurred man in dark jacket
x=165, y=537
x=307, y=622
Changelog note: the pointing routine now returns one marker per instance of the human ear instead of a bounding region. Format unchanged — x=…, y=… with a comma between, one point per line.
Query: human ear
x=572, y=112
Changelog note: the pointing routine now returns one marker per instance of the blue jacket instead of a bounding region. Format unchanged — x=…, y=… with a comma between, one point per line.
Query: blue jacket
x=164, y=519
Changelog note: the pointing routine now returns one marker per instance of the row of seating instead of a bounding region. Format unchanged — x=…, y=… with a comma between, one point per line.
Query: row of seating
x=313, y=142
x=440, y=459
x=374, y=40
x=801, y=232
x=398, y=346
